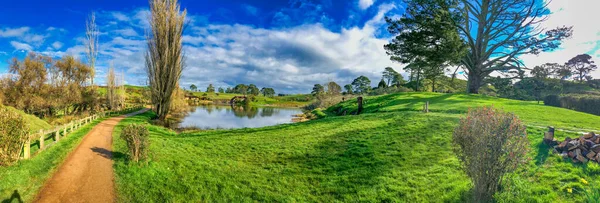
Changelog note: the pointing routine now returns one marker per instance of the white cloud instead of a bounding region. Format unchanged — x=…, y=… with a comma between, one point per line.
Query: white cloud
x=57, y=45
x=364, y=4
x=13, y=32
x=127, y=32
x=120, y=16
x=586, y=33
x=21, y=46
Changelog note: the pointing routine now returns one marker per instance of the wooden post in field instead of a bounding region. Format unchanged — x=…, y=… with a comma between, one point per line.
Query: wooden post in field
x=426, y=107
x=549, y=136
x=72, y=126
x=27, y=148
x=42, y=140
x=359, y=100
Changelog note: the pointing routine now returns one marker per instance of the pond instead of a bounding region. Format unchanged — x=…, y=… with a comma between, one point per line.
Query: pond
x=212, y=117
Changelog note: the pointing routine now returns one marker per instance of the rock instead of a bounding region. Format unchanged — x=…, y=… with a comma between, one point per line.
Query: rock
x=588, y=136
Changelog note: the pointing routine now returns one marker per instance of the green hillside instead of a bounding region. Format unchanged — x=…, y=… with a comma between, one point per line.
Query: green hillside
x=390, y=153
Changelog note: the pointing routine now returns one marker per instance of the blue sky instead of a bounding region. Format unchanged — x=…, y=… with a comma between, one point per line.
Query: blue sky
x=286, y=44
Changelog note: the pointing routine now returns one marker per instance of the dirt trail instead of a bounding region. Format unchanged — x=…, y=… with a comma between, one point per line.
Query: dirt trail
x=87, y=173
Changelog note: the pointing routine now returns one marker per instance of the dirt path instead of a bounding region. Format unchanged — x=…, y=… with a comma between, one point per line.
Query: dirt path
x=87, y=174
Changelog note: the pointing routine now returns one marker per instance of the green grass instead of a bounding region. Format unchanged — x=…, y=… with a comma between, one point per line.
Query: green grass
x=391, y=153
x=35, y=123
x=28, y=176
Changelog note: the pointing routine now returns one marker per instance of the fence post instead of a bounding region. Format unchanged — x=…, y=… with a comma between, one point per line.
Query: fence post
x=426, y=107
x=72, y=124
x=57, y=134
x=27, y=148
x=360, y=105
x=42, y=140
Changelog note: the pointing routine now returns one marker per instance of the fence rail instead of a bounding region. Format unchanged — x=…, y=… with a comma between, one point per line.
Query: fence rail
x=60, y=132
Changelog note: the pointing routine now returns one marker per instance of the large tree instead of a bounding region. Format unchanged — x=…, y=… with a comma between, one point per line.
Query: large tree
x=164, y=58
x=389, y=74
x=361, y=85
x=333, y=88
x=111, y=88
x=210, y=88
x=498, y=32
x=426, y=37
x=318, y=90
x=91, y=34
x=193, y=87
x=253, y=90
x=582, y=65
x=348, y=89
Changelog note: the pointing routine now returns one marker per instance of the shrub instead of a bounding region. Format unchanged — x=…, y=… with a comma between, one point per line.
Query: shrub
x=585, y=103
x=319, y=113
x=552, y=100
x=13, y=134
x=489, y=143
x=136, y=137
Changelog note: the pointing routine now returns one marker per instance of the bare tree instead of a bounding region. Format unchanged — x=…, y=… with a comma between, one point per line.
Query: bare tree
x=122, y=91
x=111, y=88
x=165, y=58
x=91, y=33
x=498, y=32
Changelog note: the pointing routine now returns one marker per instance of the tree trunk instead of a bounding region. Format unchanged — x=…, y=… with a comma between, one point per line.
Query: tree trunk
x=418, y=78
x=433, y=85
x=475, y=82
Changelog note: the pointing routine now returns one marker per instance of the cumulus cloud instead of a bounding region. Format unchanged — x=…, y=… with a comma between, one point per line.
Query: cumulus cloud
x=13, y=32
x=364, y=4
x=586, y=34
x=21, y=46
x=57, y=45
x=291, y=59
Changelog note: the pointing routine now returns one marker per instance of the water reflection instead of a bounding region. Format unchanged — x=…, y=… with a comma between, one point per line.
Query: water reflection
x=210, y=117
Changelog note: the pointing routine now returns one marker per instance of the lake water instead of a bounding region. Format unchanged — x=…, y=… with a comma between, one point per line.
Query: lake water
x=211, y=117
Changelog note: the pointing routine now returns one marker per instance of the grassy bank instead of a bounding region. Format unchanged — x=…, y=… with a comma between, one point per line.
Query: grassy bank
x=392, y=153
x=35, y=124
x=28, y=176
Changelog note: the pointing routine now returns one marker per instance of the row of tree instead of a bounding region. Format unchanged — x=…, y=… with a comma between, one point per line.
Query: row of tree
x=42, y=86
x=548, y=79
x=578, y=67
x=239, y=89
x=360, y=85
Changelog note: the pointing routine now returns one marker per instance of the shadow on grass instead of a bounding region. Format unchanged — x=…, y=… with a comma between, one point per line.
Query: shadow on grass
x=542, y=153
x=15, y=197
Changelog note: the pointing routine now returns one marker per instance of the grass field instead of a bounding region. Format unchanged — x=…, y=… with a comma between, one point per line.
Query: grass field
x=391, y=153
x=28, y=176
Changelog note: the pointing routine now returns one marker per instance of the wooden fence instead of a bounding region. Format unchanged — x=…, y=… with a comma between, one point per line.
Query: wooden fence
x=62, y=131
